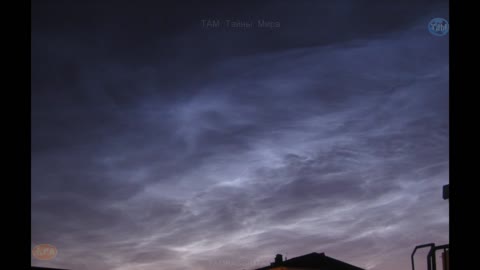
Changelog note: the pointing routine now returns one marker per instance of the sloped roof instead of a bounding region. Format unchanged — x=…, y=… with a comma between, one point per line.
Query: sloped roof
x=315, y=260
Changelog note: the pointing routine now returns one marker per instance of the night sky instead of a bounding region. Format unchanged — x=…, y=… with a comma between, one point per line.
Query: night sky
x=160, y=143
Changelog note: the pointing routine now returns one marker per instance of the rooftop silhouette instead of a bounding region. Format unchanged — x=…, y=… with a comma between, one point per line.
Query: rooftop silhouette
x=311, y=261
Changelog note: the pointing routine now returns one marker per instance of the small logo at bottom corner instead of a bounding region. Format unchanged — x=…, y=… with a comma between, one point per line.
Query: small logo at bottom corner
x=44, y=252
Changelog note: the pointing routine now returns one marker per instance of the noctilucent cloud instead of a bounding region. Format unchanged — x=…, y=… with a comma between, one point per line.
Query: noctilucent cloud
x=160, y=143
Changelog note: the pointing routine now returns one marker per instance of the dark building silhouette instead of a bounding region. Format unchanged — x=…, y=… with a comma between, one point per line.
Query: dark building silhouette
x=446, y=192
x=312, y=261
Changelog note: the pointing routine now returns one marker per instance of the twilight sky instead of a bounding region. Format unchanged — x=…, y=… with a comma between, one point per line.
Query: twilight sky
x=159, y=143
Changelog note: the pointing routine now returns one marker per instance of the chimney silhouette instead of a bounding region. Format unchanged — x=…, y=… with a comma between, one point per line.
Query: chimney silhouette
x=278, y=259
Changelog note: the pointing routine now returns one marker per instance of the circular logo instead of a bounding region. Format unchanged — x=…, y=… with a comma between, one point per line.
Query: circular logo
x=438, y=27
x=44, y=252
